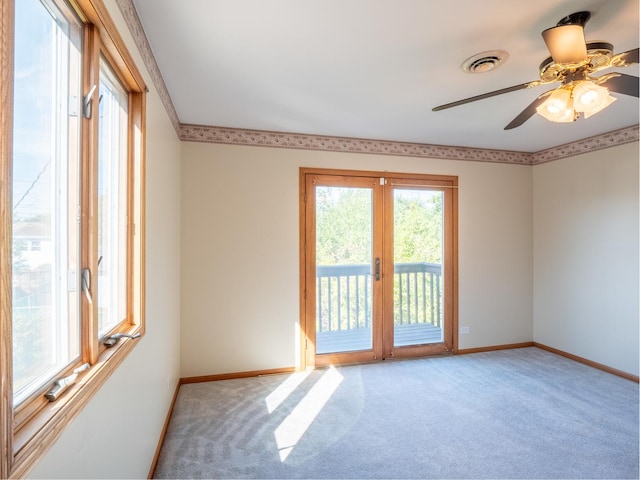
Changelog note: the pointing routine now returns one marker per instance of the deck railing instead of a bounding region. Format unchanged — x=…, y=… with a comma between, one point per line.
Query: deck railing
x=343, y=295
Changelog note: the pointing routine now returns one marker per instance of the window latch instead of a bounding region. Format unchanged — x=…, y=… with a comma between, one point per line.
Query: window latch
x=113, y=339
x=86, y=104
x=86, y=284
x=60, y=385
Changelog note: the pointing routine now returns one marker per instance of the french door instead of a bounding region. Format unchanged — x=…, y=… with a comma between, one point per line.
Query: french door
x=378, y=265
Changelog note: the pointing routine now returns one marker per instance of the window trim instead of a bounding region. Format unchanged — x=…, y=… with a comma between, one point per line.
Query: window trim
x=21, y=450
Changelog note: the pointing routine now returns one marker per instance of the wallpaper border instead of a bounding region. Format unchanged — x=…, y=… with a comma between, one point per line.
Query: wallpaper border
x=235, y=136
x=134, y=24
x=262, y=138
x=599, y=142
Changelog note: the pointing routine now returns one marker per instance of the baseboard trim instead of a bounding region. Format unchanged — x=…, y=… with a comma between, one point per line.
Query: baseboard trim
x=464, y=351
x=586, y=361
x=229, y=376
x=163, y=433
x=505, y=346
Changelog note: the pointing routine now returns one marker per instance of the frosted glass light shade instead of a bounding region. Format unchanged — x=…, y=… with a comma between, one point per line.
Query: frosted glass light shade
x=558, y=107
x=591, y=98
x=566, y=43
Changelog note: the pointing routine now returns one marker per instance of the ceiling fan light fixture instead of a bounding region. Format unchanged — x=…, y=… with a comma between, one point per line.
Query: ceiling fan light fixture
x=558, y=107
x=608, y=101
x=566, y=43
x=573, y=61
x=591, y=98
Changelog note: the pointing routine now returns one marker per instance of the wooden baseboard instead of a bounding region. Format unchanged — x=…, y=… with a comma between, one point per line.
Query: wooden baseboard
x=163, y=433
x=204, y=378
x=506, y=346
x=586, y=361
x=274, y=371
x=229, y=376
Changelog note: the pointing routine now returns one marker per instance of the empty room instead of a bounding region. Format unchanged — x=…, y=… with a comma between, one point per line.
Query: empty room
x=323, y=239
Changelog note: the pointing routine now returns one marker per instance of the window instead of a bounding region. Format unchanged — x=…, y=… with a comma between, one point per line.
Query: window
x=45, y=191
x=112, y=201
x=71, y=213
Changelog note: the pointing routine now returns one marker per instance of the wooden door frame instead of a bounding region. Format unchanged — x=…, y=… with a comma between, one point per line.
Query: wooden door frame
x=448, y=186
x=307, y=356
x=308, y=284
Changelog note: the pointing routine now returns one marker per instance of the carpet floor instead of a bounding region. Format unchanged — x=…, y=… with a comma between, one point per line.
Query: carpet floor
x=523, y=413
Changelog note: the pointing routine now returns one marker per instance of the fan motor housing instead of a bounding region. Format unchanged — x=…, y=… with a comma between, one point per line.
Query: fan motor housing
x=598, y=56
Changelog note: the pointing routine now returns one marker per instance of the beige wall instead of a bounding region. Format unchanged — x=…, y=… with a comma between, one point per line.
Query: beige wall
x=240, y=252
x=117, y=433
x=586, y=256
x=225, y=218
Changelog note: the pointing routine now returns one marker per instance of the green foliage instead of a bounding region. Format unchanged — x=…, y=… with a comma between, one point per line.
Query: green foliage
x=343, y=226
x=343, y=237
x=417, y=227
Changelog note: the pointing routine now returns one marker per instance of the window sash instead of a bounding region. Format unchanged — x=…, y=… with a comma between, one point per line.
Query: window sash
x=46, y=192
x=112, y=201
x=29, y=429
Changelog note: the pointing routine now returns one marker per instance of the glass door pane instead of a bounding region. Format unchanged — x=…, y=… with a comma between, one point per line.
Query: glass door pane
x=417, y=266
x=344, y=232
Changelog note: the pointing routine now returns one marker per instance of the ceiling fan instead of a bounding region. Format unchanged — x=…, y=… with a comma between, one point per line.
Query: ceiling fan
x=572, y=62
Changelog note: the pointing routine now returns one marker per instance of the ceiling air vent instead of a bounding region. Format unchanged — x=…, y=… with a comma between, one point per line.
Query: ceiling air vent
x=485, y=61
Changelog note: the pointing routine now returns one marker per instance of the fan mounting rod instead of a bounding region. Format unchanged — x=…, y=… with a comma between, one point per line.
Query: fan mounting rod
x=577, y=18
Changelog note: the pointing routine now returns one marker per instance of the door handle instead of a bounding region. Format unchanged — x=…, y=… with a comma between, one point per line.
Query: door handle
x=377, y=269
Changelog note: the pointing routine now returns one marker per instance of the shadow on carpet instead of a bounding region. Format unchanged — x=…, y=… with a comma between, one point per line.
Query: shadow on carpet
x=523, y=413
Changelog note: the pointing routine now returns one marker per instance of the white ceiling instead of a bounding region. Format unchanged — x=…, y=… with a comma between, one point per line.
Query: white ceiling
x=374, y=69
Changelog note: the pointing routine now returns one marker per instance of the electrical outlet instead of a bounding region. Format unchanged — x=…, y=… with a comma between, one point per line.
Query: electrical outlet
x=464, y=330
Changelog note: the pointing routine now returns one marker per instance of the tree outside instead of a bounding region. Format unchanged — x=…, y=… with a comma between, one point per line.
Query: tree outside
x=343, y=237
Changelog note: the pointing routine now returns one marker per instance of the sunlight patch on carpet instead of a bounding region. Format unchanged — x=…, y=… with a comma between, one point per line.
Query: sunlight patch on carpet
x=293, y=427
x=286, y=388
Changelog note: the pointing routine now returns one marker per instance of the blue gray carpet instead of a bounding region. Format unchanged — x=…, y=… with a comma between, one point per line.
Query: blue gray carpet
x=523, y=413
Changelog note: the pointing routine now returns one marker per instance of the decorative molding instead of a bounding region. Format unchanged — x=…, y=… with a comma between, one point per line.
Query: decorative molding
x=599, y=142
x=134, y=24
x=263, y=138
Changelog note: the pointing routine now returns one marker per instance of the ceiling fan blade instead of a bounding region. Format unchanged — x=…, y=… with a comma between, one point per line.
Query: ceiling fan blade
x=528, y=112
x=621, y=83
x=487, y=95
x=625, y=58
